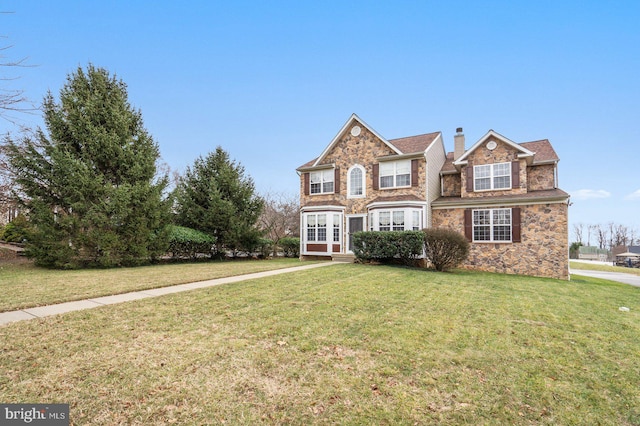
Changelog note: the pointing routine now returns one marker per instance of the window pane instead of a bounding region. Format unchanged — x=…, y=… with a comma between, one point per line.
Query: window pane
x=386, y=169
x=311, y=234
x=416, y=221
x=403, y=180
x=482, y=171
x=502, y=182
x=327, y=187
x=502, y=233
x=398, y=221
x=336, y=228
x=384, y=221
x=502, y=169
x=481, y=233
x=481, y=217
x=311, y=220
x=322, y=220
x=403, y=167
x=386, y=182
x=355, y=182
x=315, y=177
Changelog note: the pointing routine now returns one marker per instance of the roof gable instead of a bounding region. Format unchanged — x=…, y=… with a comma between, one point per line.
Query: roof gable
x=350, y=122
x=491, y=135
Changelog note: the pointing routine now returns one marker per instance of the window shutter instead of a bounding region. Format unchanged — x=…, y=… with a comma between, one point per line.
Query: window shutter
x=307, y=184
x=376, y=175
x=515, y=225
x=468, y=225
x=469, y=170
x=515, y=174
x=336, y=180
x=414, y=172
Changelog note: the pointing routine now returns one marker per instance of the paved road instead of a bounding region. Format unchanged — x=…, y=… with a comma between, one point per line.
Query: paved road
x=620, y=277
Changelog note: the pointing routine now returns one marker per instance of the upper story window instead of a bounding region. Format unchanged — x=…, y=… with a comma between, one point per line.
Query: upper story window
x=394, y=174
x=356, y=182
x=492, y=176
x=321, y=181
x=492, y=225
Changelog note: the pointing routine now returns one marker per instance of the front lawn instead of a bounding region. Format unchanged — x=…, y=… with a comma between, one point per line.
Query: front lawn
x=23, y=285
x=344, y=344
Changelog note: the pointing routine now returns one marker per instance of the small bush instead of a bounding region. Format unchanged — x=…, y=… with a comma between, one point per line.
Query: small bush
x=388, y=246
x=290, y=246
x=188, y=242
x=15, y=231
x=445, y=248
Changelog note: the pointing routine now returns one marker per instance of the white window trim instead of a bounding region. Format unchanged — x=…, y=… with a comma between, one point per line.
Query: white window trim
x=331, y=217
x=491, y=226
x=364, y=182
x=323, y=179
x=491, y=177
x=374, y=218
x=395, y=175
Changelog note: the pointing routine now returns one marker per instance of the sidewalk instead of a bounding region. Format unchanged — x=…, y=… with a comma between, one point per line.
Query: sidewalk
x=61, y=308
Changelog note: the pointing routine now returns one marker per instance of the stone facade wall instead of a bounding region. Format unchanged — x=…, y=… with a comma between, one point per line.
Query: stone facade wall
x=363, y=150
x=540, y=177
x=451, y=186
x=503, y=153
x=542, y=252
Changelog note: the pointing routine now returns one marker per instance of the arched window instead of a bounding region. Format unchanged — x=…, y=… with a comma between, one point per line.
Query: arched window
x=356, y=183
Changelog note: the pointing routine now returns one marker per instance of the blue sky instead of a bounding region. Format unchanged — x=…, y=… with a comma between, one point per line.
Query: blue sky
x=273, y=82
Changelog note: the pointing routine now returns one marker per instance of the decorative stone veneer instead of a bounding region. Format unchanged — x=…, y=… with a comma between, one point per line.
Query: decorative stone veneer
x=542, y=252
x=364, y=149
x=540, y=177
x=451, y=185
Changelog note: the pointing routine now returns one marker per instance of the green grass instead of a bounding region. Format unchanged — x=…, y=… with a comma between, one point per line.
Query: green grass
x=605, y=268
x=344, y=344
x=23, y=285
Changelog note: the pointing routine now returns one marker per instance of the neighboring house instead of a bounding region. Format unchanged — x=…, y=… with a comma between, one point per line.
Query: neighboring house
x=502, y=195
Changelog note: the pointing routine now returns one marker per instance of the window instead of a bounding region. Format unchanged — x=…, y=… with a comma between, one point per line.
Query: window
x=385, y=221
x=336, y=228
x=492, y=176
x=395, y=174
x=356, y=182
x=492, y=225
x=317, y=227
x=405, y=219
x=321, y=182
x=398, y=220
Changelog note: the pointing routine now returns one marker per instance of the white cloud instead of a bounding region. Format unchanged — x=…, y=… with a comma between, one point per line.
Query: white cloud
x=634, y=195
x=590, y=194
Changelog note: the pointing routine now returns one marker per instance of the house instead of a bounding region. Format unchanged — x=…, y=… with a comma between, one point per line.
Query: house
x=503, y=196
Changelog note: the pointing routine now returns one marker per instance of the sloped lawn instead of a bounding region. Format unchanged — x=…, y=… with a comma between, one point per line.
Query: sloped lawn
x=344, y=344
x=23, y=285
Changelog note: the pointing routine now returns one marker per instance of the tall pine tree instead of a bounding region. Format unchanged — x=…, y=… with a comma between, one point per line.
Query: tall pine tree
x=215, y=197
x=91, y=186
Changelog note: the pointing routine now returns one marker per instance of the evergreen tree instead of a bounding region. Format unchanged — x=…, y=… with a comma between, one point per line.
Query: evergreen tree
x=215, y=197
x=89, y=185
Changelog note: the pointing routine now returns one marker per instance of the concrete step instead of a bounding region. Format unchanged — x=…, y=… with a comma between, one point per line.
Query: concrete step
x=346, y=258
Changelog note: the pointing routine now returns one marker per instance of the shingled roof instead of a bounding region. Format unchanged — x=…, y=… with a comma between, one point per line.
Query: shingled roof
x=412, y=144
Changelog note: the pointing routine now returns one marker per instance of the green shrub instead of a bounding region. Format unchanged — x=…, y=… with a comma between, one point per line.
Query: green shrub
x=386, y=247
x=16, y=231
x=290, y=246
x=187, y=242
x=445, y=248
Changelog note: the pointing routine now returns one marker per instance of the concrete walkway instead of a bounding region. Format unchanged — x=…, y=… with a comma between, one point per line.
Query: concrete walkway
x=61, y=308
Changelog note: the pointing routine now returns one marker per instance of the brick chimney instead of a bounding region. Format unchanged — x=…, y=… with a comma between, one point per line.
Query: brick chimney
x=458, y=144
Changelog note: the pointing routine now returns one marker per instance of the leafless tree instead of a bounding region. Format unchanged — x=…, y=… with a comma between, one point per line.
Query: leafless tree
x=578, y=229
x=280, y=217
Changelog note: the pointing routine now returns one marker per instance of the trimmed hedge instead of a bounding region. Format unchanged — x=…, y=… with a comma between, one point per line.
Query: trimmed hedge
x=188, y=242
x=388, y=246
x=290, y=246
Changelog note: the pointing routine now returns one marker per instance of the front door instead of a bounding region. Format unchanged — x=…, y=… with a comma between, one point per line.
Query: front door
x=354, y=224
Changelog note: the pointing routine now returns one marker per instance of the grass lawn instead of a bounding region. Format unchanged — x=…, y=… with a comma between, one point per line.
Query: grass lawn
x=23, y=285
x=605, y=268
x=344, y=344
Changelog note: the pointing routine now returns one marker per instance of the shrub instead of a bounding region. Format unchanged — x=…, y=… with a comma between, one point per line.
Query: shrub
x=290, y=246
x=445, y=248
x=385, y=246
x=15, y=231
x=187, y=242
